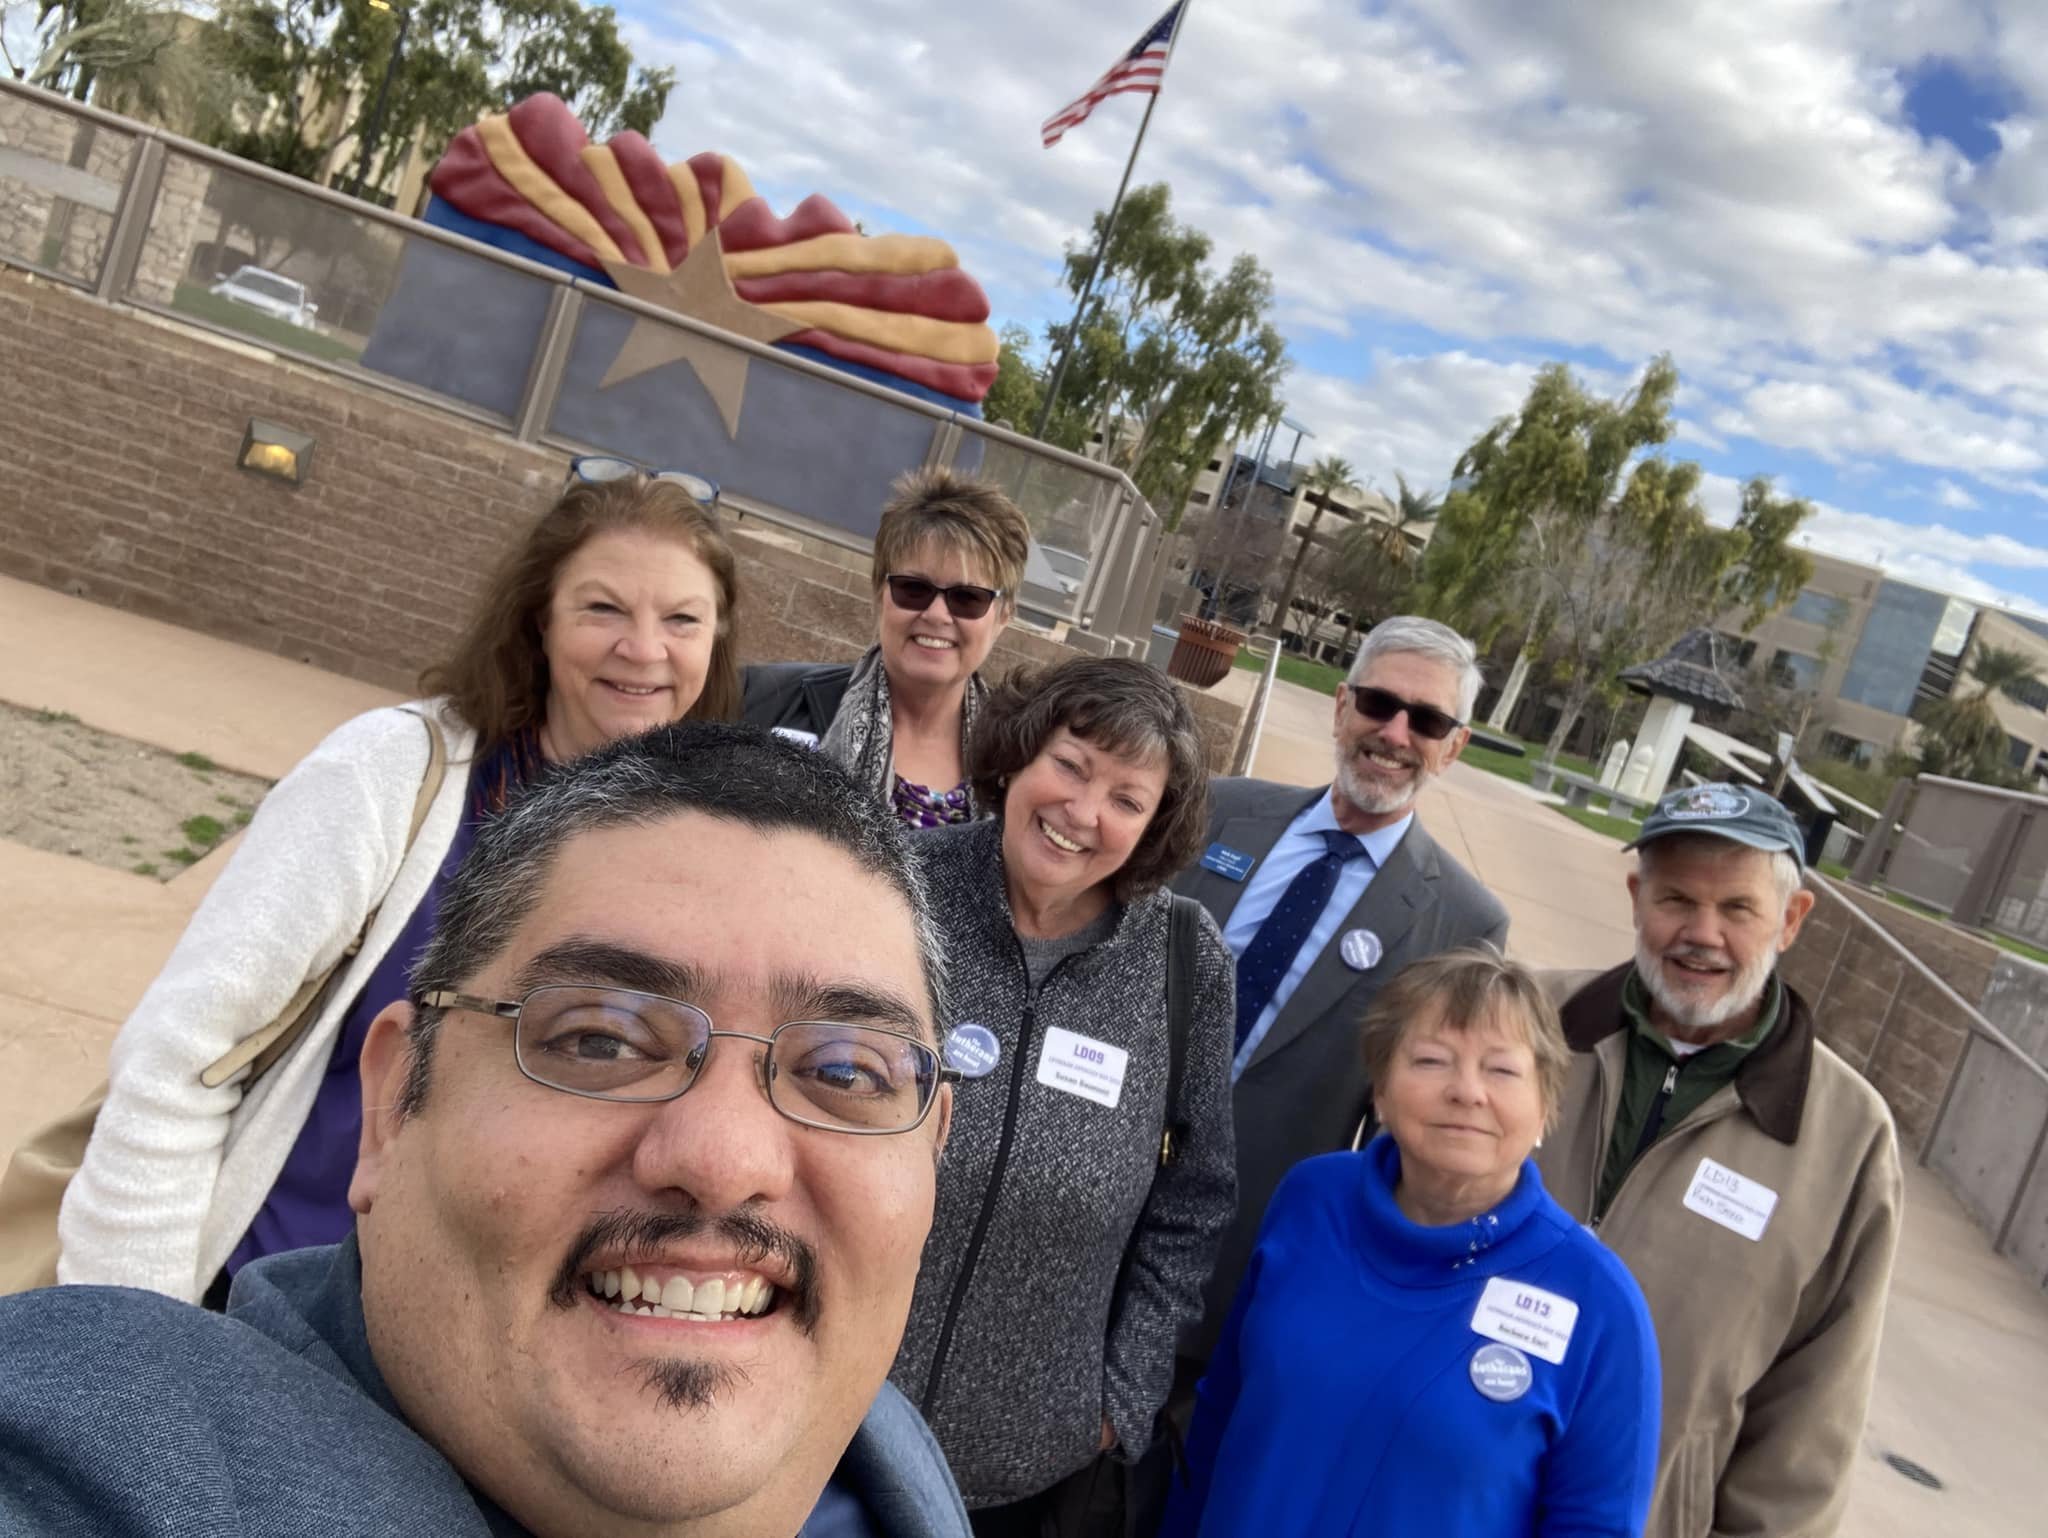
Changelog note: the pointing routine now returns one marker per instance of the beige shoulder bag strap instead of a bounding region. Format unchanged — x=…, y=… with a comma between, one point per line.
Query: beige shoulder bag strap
x=260, y=1051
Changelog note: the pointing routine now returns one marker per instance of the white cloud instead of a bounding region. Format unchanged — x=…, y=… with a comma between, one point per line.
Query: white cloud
x=1737, y=184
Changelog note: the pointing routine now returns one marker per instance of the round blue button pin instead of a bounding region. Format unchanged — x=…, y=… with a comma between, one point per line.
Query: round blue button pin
x=973, y=1049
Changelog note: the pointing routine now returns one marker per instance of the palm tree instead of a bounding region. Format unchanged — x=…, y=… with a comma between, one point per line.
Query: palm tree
x=1961, y=735
x=1328, y=476
x=1373, y=558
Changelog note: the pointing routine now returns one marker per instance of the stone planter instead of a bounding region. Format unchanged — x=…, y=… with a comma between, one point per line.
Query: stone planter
x=1204, y=652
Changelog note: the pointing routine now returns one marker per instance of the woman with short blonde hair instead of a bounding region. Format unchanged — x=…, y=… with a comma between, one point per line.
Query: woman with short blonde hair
x=1425, y=1341
x=949, y=554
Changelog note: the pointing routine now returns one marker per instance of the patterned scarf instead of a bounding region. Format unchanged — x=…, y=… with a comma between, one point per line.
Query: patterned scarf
x=859, y=737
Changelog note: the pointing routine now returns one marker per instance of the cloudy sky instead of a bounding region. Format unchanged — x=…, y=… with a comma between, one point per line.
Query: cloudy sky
x=1834, y=215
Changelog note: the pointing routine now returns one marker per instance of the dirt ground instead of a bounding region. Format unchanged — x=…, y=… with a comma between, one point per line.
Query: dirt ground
x=71, y=790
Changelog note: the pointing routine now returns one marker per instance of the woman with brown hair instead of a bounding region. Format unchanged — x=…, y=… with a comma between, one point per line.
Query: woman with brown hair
x=949, y=553
x=1089, y=1170
x=615, y=613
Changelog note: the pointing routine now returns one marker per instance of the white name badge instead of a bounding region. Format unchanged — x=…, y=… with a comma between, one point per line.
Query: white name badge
x=1734, y=1201
x=1082, y=1066
x=1516, y=1314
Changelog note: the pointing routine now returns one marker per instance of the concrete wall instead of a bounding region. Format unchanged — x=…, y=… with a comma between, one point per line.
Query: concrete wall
x=1875, y=1009
x=118, y=482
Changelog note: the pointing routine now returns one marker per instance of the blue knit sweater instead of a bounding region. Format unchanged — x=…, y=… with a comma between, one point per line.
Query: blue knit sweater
x=1355, y=1391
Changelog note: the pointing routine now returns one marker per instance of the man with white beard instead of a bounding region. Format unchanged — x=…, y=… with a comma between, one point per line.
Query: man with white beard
x=1323, y=895
x=1747, y=1176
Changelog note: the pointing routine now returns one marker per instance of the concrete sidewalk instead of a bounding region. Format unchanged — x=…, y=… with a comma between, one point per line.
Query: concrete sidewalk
x=1963, y=1383
x=83, y=941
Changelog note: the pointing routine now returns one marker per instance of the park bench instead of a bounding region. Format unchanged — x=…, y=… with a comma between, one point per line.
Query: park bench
x=1582, y=791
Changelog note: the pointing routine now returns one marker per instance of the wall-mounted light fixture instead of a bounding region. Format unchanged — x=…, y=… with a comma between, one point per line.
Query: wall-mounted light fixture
x=276, y=451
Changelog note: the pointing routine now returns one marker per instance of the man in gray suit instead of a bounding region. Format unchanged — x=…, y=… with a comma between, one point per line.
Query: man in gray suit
x=1322, y=896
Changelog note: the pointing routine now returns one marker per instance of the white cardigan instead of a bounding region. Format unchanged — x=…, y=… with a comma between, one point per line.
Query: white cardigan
x=176, y=1172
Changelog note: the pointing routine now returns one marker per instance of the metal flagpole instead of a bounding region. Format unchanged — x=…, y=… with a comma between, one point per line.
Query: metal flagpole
x=1059, y=374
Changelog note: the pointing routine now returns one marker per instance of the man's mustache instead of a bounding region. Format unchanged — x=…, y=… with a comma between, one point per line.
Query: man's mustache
x=755, y=1237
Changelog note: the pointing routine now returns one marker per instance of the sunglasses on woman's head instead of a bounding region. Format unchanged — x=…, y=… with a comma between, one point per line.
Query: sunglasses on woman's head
x=1423, y=720
x=962, y=601
x=602, y=469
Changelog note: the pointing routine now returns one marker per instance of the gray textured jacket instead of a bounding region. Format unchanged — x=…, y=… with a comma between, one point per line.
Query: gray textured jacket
x=1020, y=1340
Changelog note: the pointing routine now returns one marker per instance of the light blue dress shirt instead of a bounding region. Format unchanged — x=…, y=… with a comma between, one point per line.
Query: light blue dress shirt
x=1297, y=847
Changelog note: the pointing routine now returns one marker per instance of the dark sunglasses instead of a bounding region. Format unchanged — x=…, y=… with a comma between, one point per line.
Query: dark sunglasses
x=602, y=469
x=1423, y=720
x=962, y=602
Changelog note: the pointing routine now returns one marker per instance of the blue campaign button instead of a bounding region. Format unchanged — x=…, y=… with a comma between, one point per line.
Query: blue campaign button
x=1227, y=863
x=973, y=1049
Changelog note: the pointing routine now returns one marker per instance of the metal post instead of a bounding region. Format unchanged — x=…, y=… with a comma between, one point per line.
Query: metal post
x=1948, y=1095
x=1073, y=331
x=945, y=444
x=1108, y=554
x=550, y=358
x=131, y=220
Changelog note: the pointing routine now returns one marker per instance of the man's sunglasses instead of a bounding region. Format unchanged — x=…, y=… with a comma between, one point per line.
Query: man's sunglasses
x=1423, y=720
x=603, y=469
x=962, y=601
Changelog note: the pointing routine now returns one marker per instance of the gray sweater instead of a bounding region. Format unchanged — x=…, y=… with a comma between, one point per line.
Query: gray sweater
x=1020, y=1339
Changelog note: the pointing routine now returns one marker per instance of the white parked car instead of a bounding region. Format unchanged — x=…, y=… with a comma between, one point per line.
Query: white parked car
x=273, y=294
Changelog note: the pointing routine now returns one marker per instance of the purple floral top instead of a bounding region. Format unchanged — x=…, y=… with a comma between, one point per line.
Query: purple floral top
x=920, y=807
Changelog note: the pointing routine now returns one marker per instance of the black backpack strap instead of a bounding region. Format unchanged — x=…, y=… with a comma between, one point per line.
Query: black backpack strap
x=1183, y=931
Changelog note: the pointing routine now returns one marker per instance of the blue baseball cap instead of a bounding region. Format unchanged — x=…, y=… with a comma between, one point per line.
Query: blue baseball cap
x=1736, y=812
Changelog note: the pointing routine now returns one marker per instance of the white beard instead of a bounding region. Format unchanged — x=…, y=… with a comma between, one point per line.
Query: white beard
x=1694, y=1014
x=1374, y=799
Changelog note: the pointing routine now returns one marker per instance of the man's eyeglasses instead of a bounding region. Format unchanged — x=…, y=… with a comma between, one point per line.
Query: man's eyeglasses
x=602, y=469
x=962, y=601
x=615, y=1044
x=1423, y=720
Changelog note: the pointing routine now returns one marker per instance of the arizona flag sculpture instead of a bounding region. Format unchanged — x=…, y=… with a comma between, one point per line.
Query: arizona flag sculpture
x=694, y=237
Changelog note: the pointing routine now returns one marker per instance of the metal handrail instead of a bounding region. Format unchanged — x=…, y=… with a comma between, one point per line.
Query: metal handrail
x=1979, y=1029
x=1978, y=1024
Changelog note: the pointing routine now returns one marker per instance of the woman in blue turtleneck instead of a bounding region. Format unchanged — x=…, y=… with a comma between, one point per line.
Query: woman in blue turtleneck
x=1425, y=1343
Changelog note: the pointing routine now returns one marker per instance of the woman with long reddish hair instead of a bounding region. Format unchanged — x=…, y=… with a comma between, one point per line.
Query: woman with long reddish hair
x=615, y=613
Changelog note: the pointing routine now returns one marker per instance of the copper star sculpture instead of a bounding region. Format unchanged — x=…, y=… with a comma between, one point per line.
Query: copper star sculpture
x=701, y=290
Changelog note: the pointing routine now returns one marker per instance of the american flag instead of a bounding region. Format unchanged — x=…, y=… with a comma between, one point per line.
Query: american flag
x=1138, y=72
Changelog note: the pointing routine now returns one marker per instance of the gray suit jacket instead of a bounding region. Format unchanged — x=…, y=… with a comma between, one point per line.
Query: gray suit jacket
x=1304, y=1090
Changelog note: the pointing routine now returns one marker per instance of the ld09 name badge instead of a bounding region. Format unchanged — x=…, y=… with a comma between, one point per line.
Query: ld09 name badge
x=1501, y=1373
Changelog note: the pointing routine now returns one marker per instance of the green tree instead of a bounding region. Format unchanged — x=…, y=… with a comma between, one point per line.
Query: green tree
x=1325, y=479
x=1172, y=360
x=149, y=58
x=1013, y=399
x=462, y=58
x=1565, y=518
x=1960, y=734
x=1376, y=564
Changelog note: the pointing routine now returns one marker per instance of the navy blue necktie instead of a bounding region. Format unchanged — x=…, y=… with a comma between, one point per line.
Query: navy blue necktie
x=1273, y=949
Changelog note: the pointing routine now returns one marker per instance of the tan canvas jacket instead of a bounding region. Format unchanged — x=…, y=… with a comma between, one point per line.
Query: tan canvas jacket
x=1769, y=1343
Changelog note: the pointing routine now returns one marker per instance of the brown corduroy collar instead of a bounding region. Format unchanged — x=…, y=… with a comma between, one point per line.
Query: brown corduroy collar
x=1773, y=1078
